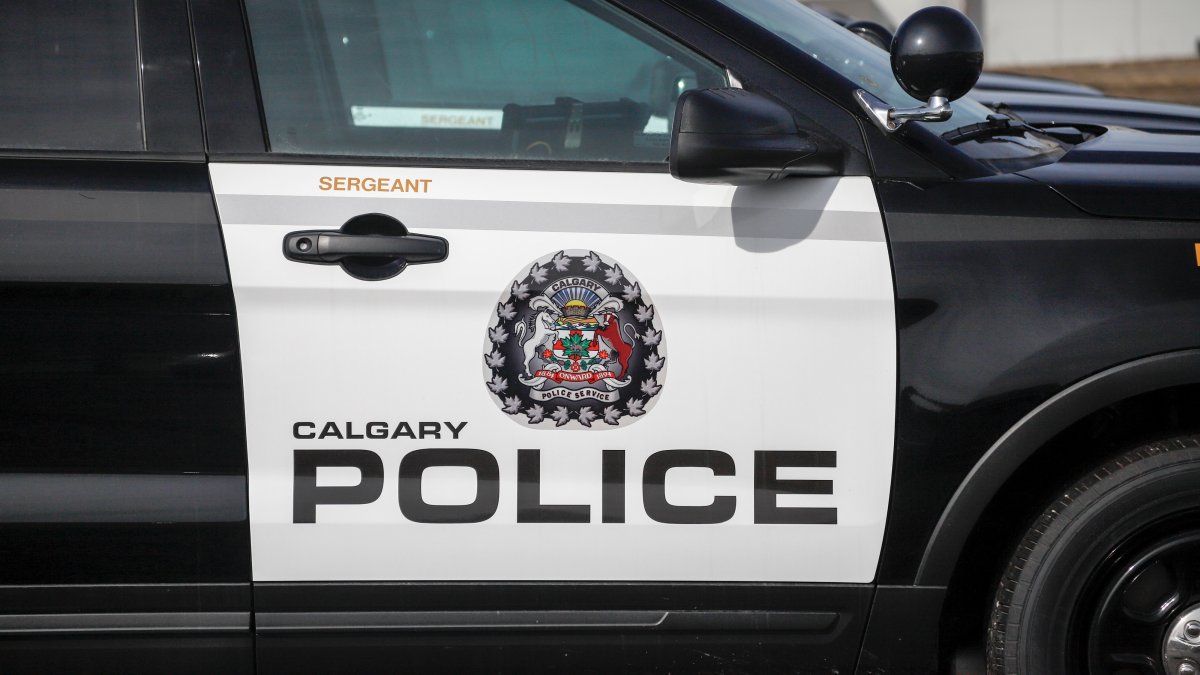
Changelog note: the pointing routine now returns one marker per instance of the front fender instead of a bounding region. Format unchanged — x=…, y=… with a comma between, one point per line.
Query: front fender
x=1024, y=438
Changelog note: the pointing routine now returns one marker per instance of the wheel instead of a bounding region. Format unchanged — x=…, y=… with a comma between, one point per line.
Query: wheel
x=1107, y=580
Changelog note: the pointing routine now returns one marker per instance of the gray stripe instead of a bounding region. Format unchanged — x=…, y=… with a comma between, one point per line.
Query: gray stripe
x=545, y=620
x=923, y=227
x=106, y=206
x=15, y=624
x=110, y=236
x=422, y=215
x=121, y=498
x=529, y=620
x=142, y=252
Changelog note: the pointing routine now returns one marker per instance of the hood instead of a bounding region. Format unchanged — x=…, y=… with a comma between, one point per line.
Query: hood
x=1044, y=109
x=994, y=83
x=1129, y=174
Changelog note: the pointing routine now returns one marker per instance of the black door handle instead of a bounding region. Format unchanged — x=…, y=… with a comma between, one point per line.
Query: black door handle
x=331, y=246
x=372, y=247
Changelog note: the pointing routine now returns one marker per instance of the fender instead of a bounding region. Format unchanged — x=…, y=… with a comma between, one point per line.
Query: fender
x=1024, y=438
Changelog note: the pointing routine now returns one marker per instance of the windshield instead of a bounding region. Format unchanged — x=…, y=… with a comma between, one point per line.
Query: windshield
x=851, y=56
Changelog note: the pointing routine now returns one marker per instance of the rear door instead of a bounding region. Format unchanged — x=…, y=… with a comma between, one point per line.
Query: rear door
x=124, y=537
x=596, y=399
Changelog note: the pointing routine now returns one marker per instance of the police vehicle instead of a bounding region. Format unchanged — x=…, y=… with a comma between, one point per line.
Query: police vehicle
x=653, y=336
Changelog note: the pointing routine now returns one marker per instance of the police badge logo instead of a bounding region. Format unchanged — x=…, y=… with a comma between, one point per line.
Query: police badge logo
x=576, y=341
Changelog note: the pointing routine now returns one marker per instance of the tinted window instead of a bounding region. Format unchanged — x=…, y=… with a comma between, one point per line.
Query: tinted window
x=69, y=75
x=541, y=79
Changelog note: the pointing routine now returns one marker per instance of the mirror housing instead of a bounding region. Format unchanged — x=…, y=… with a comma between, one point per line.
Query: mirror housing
x=872, y=32
x=937, y=56
x=735, y=137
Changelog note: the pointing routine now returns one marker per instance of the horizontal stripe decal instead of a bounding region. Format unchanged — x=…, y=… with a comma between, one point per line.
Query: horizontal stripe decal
x=545, y=620
x=121, y=498
x=108, y=222
x=17, y=624
x=124, y=598
x=739, y=222
x=847, y=193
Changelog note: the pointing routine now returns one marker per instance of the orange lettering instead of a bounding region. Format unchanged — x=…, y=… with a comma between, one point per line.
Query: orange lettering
x=373, y=184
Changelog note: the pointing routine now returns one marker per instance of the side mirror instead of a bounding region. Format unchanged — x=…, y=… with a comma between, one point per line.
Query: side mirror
x=872, y=32
x=937, y=56
x=736, y=137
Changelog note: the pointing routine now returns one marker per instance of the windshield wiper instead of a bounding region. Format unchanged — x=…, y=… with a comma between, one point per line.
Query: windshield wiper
x=996, y=125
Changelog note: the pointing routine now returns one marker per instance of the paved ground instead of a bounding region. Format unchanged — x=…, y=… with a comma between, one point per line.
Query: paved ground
x=1173, y=80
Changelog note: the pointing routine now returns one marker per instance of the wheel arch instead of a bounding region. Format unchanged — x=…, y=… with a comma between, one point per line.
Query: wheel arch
x=1035, y=431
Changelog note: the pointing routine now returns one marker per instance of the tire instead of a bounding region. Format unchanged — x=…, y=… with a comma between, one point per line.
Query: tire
x=1071, y=599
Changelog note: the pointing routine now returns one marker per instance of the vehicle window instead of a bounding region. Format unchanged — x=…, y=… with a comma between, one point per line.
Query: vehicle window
x=69, y=75
x=495, y=79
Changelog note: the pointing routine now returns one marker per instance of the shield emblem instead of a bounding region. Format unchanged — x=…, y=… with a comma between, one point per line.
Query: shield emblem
x=574, y=340
x=575, y=346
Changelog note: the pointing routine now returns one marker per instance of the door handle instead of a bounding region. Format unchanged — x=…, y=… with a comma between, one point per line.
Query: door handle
x=372, y=247
x=331, y=246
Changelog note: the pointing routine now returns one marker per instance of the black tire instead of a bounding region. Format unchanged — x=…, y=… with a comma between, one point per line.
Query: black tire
x=1052, y=601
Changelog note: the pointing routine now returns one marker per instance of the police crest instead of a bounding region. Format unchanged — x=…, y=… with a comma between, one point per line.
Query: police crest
x=576, y=341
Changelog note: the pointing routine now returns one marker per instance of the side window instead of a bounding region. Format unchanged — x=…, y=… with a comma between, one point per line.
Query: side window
x=491, y=79
x=69, y=75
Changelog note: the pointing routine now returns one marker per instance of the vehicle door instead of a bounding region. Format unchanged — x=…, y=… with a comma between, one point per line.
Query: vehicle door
x=124, y=536
x=506, y=376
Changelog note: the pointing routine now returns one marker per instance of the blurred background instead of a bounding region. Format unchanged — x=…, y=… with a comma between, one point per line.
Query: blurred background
x=1145, y=49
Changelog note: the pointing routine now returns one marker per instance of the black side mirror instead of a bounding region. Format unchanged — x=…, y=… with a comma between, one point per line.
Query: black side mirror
x=736, y=137
x=937, y=56
x=872, y=32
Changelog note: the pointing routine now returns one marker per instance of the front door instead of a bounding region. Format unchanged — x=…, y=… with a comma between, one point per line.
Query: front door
x=587, y=371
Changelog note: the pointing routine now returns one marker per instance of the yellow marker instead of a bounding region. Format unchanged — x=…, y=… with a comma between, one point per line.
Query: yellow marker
x=1197, y=255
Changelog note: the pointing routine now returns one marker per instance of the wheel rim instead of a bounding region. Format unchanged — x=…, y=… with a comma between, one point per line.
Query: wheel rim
x=1181, y=646
x=1137, y=597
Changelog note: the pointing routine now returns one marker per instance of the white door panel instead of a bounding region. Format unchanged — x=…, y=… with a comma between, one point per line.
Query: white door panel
x=776, y=303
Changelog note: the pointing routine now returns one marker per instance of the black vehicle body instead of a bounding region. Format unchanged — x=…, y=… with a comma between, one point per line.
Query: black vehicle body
x=1052, y=108
x=1046, y=318
x=994, y=82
